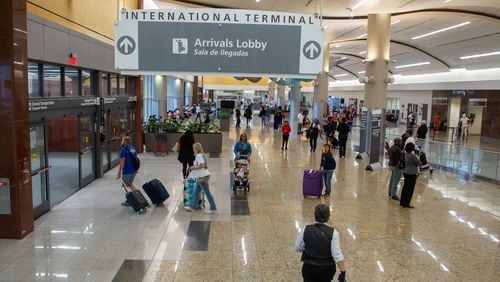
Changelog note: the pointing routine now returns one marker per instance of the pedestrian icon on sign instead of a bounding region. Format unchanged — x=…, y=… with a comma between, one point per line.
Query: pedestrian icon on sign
x=126, y=45
x=179, y=45
x=311, y=50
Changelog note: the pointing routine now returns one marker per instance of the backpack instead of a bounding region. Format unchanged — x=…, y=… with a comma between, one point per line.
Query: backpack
x=136, y=163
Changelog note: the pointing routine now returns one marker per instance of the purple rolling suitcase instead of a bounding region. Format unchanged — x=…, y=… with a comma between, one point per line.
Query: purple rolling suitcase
x=312, y=184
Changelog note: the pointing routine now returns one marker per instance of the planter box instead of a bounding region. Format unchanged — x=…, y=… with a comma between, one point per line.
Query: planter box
x=212, y=142
x=150, y=140
x=224, y=124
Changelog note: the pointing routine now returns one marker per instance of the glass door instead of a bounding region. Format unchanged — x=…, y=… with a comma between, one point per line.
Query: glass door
x=87, y=149
x=39, y=170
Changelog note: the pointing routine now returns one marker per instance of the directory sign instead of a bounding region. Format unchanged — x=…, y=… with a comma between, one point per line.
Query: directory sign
x=218, y=41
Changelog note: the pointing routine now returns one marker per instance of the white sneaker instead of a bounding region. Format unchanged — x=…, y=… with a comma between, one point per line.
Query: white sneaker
x=187, y=208
x=209, y=211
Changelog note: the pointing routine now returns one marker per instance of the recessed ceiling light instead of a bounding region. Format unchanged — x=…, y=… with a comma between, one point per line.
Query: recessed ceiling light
x=440, y=30
x=340, y=75
x=362, y=35
x=337, y=46
x=395, y=22
x=412, y=65
x=361, y=72
x=343, y=58
x=480, y=55
x=359, y=4
x=362, y=52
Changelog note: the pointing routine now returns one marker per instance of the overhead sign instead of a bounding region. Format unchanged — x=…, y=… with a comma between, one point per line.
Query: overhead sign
x=215, y=41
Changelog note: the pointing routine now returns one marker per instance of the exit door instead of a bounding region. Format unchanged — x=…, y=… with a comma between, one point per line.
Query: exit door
x=39, y=170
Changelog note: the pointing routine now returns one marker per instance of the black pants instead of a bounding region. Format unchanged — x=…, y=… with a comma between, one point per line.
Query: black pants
x=313, y=140
x=238, y=122
x=284, y=144
x=317, y=273
x=408, y=187
x=185, y=169
x=342, y=145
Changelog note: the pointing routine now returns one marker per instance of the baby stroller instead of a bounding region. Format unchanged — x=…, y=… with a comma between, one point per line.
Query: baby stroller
x=423, y=158
x=240, y=176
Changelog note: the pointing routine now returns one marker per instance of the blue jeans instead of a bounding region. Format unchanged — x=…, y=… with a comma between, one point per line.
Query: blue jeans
x=206, y=190
x=395, y=177
x=327, y=177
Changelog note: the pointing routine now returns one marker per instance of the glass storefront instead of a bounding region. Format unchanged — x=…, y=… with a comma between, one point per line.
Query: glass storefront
x=113, y=79
x=38, y=165
x=86, y=83
x=51, y=81
x=87, y=148
x=71, y=82
x=34, y=80
x=63, y=150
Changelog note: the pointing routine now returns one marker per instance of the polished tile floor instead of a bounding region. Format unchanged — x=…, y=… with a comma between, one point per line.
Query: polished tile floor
x=451, y=235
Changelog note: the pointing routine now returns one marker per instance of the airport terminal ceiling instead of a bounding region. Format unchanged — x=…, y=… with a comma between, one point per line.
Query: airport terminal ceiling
x=427, y=36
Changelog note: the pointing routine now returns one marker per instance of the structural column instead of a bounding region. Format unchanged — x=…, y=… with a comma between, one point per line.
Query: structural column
x=16, y=204
x=195, y=90
x=321, y=86
x=272, y=92
x=139, y=104
x=280, y=93
x=294, y=102
x=161, y=94
x=378, y=50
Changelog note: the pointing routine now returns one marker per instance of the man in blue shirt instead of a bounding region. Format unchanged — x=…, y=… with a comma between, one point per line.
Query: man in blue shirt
x=127, y=170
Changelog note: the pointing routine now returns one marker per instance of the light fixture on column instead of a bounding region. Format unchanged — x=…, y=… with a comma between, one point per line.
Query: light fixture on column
x=389, y=79
x=366, y=79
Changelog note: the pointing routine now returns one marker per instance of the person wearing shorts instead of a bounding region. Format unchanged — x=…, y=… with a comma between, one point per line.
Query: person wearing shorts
x=127, y=170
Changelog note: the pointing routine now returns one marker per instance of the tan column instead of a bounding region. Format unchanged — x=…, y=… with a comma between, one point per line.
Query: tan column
x=16, y=203
x=378, y=50
x=378, y=47
x=321, y=87
x=161, y=93
x=272, y=92
x=281, y=95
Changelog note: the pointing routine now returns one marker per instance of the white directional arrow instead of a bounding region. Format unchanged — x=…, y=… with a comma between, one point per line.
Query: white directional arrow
x=127, y=45
x=312, y=49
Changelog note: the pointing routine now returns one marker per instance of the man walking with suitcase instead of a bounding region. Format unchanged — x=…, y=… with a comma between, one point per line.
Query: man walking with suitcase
x=127, y=170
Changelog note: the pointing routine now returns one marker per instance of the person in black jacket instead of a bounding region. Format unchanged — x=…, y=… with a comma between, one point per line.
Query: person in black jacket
x=248, y=115
x=238, y=118
x=320, y=247
x=422, y=130
x=186, y=153
x=343, y=130
x=314, y=132
x=410, y=172
x=327, y=165
x=395, y=154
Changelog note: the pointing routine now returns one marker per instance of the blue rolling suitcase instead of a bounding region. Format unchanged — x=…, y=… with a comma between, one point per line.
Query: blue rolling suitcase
x=156, y=191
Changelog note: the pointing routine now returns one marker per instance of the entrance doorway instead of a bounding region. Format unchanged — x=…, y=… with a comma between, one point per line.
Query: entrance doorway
x=39, y=170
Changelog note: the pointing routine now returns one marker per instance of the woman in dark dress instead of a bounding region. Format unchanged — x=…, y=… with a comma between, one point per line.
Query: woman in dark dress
x=186, y=153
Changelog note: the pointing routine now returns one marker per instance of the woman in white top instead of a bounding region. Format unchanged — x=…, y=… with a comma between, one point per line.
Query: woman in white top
x=202, y=175
x=465, y=126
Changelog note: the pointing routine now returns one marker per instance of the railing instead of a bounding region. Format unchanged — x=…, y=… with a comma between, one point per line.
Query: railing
x=476, y=162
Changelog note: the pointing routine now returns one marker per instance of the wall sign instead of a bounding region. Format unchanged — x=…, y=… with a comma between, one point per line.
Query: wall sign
x=218, y=41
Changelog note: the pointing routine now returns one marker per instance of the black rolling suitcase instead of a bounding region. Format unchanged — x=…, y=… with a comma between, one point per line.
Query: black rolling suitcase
x=137, y=201
x=156, y=191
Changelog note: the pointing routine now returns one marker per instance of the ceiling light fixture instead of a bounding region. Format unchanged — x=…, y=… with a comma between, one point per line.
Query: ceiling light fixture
x=395, y=22
x=362, y=35
x=359, y=4
x=337, y=46
x=361, y=72
x=440, y=30
x=362, y=52
x=412, y=65
x=340, y=75
x=480, y=55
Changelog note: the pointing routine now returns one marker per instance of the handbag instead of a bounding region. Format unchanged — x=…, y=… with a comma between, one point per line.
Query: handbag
x=401, y=163
x=203, y=179
x=176, y=147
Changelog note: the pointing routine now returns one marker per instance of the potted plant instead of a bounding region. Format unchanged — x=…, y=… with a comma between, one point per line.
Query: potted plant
x=209, y=135
x=151, y=129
